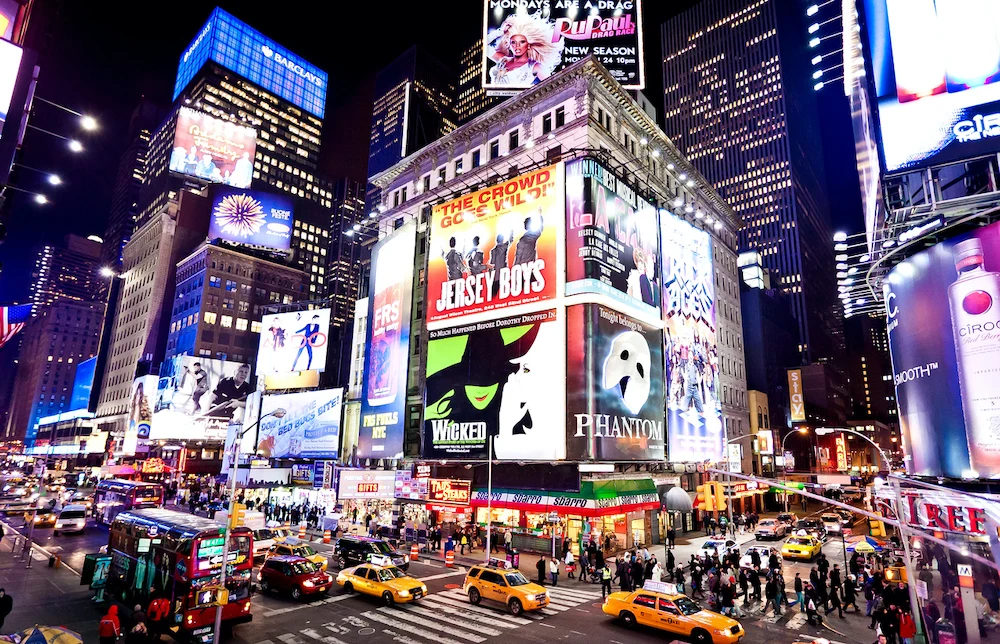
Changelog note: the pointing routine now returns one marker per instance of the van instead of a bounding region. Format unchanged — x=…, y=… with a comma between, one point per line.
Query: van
x=73, y=518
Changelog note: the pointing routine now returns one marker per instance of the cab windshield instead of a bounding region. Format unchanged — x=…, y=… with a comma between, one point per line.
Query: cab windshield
x=516, y=579
x=686, y=606
x=388, y=574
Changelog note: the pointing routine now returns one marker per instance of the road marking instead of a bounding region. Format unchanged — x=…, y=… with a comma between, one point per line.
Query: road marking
x=465, y=605
x=290, y=638
x=430, y=613
x=408, y=628
x=326, y=639
x=796, y=621
x=548, y=625
x=471, y=616
x=461, y=596
x=443, y=575
x=429, y=564
x=448, y=630
x=265, y=642
x=573, y=593
x=290, y=609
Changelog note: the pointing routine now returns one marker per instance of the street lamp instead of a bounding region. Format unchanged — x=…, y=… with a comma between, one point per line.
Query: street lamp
x=277, y=413
x=784, y=470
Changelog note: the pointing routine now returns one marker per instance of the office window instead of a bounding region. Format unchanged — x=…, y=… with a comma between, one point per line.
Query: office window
x=475, y=158
x=458, y=166
x=227, y=303
x=494, y=149
x=230, y=285
x=560, y=117
x=546, y=124
x=395, y=199
x=241, y=324
x=214, y=281
x=513, y=140
x=226, y=321
x=403, y=196
x=600, y=115
x=427, y=183
x=210, y=317
x=255, y=326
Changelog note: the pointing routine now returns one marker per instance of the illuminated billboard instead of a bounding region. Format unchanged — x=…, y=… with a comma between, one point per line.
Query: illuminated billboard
x=694, y=410
x=310, y=427
x=936, y=74
x=497, y=247
x=240, y=48
x=191, y=396
x=503, y=378
x=252, y=217
x=526, y=41
x=212, y=149
x=943, y=314
x=293, y=341
x=10, y=64
x=140, y=413
x=612, y=243
x=387, y=346
x=83, y=384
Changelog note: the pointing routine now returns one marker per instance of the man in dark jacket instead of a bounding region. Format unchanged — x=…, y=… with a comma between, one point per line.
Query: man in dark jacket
x=6, y=605
x=540, y=567
x=771, y=594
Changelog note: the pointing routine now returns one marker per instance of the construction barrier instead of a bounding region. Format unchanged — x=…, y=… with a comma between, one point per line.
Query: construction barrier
x=449, y=559
x=302, y=531
x=414, y=552
x=326, y=536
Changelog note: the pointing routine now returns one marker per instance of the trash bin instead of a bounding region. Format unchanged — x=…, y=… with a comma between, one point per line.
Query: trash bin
x=514, y=557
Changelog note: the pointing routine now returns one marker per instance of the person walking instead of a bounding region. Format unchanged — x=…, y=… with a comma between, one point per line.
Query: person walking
x=679, y=579
x=851, y=594
x=6, y=606
x=540, y=567
x=907, y=628
x=799, y=596
x=835, y=603
x=670, y=563
x=771, y=595
x=464, y=542
x=605, y=581
x=109, y=629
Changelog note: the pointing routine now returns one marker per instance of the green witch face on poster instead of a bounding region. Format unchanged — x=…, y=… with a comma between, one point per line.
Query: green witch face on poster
x=500, y=378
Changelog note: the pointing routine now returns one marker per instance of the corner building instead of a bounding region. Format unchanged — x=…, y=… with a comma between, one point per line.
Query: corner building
x=576, y=299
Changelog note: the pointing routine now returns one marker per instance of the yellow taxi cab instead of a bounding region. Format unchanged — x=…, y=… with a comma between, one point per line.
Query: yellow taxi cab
x=388, y=582
x=298, y=548
x=801, y=547
x=659, y=606
x=500, y=583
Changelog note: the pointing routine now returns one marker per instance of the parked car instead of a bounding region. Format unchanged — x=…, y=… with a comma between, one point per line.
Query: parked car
x=294, y=575
x=353, y=550
x=389, y=583
x=770, y=529
x=73, y=518
x=722, y=547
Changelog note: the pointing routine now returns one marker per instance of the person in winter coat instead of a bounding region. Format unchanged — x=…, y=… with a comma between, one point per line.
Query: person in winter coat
x=670, y=563
x=755, y=586
x=540, y=567
x=850, y=594
x=835, y=604
x=907, y=628
x=6, y=606
x=138, y=635
x=771, y=595
x=657, y=571
x=624, y=577
x=679, y=579
x=800, y=597
x=109, y=629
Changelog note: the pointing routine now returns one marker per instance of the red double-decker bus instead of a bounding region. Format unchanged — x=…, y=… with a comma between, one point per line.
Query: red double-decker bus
x=178, y=556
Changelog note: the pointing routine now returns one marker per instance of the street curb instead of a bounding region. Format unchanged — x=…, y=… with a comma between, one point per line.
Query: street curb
x=9, y=528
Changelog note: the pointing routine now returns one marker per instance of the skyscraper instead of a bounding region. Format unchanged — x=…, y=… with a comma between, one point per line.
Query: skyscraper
x=470, y=97
x=345, y=273
x=70, y=271
x=736, y=101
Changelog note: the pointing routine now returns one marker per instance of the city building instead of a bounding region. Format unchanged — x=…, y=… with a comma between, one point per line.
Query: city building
x=873, y=392
x=761, y=463
x=64, y=334
x=470, y=97
x=739, y=104
x=70, y=271
x=220, y=296
x=413, y=108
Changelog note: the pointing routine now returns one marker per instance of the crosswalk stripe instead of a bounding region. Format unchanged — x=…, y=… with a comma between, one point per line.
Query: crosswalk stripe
x=500, y=612
x=796, y=621
x=471, y=616
x=557, y=606
x=264, y=642
x=289, y=638
x=326, y=639
x=547, y=611
x=465, y=605
x=573, y=594
x=407, y=628
x=472, y=637
x=426, y=612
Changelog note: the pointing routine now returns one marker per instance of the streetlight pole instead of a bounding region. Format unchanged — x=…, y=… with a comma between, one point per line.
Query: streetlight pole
x=784, y=470
x=277, y=413
x=489, y=496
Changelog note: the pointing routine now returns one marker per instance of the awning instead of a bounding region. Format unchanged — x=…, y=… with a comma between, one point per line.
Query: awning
x=595, y=498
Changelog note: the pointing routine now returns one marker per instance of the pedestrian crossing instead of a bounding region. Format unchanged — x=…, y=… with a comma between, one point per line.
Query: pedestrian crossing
x=444, y=617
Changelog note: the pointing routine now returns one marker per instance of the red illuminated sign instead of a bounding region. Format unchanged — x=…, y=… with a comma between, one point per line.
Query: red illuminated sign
x=950, y=518
x=448, y=491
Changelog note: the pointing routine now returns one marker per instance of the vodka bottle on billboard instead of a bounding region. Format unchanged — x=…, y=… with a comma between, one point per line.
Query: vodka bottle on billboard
x=975, y=313
x=388, y=290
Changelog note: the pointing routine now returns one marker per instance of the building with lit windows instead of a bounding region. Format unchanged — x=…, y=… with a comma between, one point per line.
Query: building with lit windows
x=70, y=271
x=219, y=298
x=873, y=391
x=470, y=97
x=738, y=103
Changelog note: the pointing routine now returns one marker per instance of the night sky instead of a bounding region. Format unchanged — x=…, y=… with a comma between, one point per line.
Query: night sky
x=102, y=58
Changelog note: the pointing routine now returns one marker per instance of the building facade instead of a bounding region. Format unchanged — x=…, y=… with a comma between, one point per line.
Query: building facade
x=70, y=271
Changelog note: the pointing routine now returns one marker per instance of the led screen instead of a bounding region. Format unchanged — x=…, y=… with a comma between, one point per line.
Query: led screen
x=83, y=384
x=140, y=413
x=212, y=149
x=293, y=341
x=10, y=63
x=936, y=67
x=310, y=427
x=192, y=396
x=252, y=217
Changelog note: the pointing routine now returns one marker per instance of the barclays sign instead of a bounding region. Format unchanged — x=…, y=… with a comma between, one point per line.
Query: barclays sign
x=290, y=65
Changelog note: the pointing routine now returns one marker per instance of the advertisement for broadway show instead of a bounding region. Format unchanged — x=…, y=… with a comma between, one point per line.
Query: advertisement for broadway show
x=502, y=378
x=309, y=429
x=936, y=70
x=387, y=347
x=190, y=398
x=293, y=341
x=694, y=410
x=943, y=316
x=526, y=41
x=614, y=386
x=251, y=217
x=612, y=245
x=497, y=247
x=213, y=149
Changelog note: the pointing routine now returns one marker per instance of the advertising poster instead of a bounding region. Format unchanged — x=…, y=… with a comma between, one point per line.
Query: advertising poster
x=765, y=441
x=310, y=427
x=83, y=384
x=293, y=341
x=213, y=149
x=614, y=386
x=502, y=378
x=387, y=346
x=191, y=396
x=10, y=63
x=496, y=247
x=251, y=217
x=943, y=316
x=936, y=73
x=367, y=484
x=140, y=413
x=796, y=399
x=526, y=41
x=612, y=238
x=302, y=473
x=694, y=411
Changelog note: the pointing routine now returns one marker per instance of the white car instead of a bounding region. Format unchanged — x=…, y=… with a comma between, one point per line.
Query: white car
x=746, y=561
x=73, y=518
x=263, y=539
x=770, y=529
x=722, y=547
x=832, y=522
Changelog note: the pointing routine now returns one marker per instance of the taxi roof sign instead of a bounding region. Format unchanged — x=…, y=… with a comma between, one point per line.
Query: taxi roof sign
x=660, y=587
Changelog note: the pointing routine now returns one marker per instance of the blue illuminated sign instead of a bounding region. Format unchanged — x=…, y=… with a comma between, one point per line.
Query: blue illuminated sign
x=252, y=217
x=83, y=383
x=242, y=49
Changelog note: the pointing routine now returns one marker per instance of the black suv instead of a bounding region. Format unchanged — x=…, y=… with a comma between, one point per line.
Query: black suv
x=351, y=551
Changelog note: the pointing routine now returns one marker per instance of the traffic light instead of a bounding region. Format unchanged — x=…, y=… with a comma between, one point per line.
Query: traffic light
x=719, y=493
x=239, y=516
x=705, y=499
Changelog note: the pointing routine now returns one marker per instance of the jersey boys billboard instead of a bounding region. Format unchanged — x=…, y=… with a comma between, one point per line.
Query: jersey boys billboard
x=497, y=247
x=611, y=238
x=383, y=398
x=526, y=41
x=502, y=378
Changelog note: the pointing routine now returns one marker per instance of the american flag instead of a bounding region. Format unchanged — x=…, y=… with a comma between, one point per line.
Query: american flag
x=12, y=320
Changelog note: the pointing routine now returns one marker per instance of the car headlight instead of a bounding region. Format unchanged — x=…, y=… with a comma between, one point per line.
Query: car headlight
x=721, y=631
x=308, y=584
x=423, y=589
x=341, y=578
x=403, y=593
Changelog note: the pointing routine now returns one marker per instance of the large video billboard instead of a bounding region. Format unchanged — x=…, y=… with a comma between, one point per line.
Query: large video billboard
x=937, y=79
x=614, y=386
x=83, y=384
x=943, y=308
x=611, y=238
x=310, y=427
x=190, y=397
x=502, y=378
x=140, y=413
x=293, y=341
x=252, y=217
x=694, y=411
x=526, y=41
x=240, y=48
x=387, y=346
x=496, y=247
x=213, y=149
x=10, y=64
